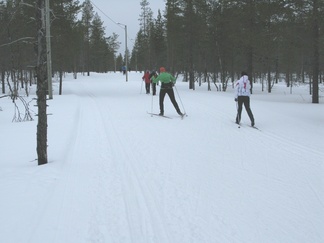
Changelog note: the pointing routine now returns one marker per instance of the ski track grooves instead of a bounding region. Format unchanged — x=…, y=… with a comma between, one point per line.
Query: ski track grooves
x=107, y=173
x=135, y=192
x=298, y=146
x=75, y=189
x=54, y=202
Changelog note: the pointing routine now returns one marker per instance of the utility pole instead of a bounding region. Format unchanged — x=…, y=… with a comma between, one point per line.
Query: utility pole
x=48, y=50
x=126, y=53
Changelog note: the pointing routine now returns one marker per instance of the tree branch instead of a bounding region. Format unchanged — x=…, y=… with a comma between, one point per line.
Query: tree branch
x=15, y=41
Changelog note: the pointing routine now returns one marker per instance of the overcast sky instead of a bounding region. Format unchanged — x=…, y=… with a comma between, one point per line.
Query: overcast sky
x=126, y=12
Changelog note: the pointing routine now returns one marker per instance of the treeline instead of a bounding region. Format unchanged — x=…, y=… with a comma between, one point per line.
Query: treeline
x=78, y=39
x=221, y=37
x=212, y=40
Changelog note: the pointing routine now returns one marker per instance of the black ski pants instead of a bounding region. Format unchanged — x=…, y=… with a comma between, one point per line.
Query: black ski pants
x=147, y=87
x=246, y=101
x=169, y=91
x=154, y=88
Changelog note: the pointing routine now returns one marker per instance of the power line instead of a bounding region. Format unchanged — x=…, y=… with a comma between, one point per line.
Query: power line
x=116, y=23
x=120, y=25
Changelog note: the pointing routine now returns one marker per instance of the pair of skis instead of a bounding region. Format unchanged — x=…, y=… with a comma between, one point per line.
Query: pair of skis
x=168, y=117
x=239, y=126
x=184, y=115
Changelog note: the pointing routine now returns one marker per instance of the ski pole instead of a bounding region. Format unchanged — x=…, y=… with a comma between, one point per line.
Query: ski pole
x=141, y=87
x=152, y=106
x=184, y=110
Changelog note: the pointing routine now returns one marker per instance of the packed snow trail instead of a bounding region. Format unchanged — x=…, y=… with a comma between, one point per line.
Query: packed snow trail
x=82, y=199
x=119, y=175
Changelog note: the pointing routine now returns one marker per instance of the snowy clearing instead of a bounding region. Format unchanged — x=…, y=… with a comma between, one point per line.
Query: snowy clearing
x=116, y=174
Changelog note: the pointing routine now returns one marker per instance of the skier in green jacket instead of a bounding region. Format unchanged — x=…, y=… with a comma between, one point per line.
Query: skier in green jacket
x=167, y=82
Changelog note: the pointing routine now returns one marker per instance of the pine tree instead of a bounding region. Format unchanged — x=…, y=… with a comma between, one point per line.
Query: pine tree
x=87, y=16
x=174, y=34
x=65, y=40
x=113, y=46
x=158, y=42
x=98, y=46
x=146, y=18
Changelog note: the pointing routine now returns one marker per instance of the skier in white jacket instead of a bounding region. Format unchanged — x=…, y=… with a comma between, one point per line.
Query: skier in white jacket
x=242, y=96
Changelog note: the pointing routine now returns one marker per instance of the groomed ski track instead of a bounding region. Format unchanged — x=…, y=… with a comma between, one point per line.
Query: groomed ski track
x=126, y=177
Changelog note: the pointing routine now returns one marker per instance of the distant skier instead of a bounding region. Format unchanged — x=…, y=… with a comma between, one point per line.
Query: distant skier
x=153, y=75
x=124, y=69
x=146, y=79
x=242, y=96
x=167, y=82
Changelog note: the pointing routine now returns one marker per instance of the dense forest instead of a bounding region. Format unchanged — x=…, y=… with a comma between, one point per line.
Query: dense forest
x=270, y=39
x=207, y=40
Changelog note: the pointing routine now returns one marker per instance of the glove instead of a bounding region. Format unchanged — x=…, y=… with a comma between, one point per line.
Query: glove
x=235, y=99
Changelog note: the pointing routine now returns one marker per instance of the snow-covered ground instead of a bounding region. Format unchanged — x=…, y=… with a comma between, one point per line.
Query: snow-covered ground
x=116, y=174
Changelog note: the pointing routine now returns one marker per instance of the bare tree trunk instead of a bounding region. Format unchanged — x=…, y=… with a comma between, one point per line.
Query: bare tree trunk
x=315, y=96
x=269, y=80
x=61, y=82
x=21, y=78
x=3, y=73
x=41, y=85
x=287, y=79
x=250, y=48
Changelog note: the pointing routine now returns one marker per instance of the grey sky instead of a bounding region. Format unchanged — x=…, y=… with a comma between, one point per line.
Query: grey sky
x=126, y=12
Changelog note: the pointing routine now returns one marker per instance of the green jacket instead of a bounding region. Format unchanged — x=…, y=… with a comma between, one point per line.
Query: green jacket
x=165, y=78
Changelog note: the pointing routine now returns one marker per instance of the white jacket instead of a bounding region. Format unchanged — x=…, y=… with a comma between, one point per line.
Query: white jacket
x=242, y=86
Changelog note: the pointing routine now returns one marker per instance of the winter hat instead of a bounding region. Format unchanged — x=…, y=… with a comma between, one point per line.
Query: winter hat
x=162, y=69
x=243, y=73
